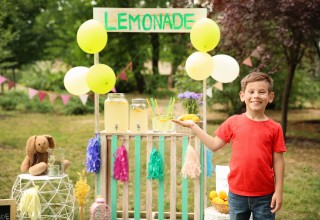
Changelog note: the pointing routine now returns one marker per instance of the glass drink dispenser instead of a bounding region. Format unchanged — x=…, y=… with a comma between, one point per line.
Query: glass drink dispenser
x=116, y=113
x=138, y=116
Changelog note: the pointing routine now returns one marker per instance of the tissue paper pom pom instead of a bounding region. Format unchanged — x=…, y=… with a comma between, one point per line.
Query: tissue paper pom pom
x=191, y=167
x=93, y=155
x=120, y=166
x=155, y=166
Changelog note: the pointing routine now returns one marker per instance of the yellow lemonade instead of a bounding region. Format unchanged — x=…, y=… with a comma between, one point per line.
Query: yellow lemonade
x=162, y=123
x=138, y=116
x=139, y=120
x=116, y=113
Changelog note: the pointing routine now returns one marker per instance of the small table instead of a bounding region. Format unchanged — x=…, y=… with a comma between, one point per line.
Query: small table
x=211, y=213
x=55, y=193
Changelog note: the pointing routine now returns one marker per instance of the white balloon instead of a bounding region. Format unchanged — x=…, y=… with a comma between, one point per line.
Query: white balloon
x=225, y=68
x=75, y=80
x=199, y=65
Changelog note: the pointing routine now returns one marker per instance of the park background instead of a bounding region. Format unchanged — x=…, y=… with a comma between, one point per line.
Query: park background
x=38, y=47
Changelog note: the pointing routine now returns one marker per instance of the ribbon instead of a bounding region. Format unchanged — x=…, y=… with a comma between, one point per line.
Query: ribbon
x=209, y=162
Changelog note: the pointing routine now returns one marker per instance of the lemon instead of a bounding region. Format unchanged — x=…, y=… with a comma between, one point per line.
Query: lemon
x=213, y=194
x=217, y=200
x=223, y=195
x=192, y=117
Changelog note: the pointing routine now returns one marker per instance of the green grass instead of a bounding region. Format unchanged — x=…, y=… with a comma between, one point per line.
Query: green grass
x=302, y=176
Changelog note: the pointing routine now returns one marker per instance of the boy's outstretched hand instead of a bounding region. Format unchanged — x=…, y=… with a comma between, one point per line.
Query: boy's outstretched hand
x=186, y=123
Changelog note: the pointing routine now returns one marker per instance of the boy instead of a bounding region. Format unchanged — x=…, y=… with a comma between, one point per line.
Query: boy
x=256, y=164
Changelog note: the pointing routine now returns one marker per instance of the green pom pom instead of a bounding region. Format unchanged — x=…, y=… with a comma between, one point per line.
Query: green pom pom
x=155, y=165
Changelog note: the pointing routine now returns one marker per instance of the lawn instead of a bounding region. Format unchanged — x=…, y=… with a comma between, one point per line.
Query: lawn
x=302, y=175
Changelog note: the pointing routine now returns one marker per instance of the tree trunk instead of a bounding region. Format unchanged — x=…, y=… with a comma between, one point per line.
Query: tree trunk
x=137, y=62
x=155, y=52
x=155, y=58
x=171, y=76
x=285, y=98
x=139, y=79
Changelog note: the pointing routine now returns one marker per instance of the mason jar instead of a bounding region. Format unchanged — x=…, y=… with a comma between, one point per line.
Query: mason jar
x=116, y=113
x=138, y=115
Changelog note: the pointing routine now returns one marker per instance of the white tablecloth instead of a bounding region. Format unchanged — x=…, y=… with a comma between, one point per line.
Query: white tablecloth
x=211, y=213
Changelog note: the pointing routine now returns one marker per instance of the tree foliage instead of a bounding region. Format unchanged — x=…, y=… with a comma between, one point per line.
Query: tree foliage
x=283, y=29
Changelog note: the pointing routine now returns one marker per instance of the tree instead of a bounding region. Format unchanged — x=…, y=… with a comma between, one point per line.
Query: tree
x=283, y=28
x=8, y=35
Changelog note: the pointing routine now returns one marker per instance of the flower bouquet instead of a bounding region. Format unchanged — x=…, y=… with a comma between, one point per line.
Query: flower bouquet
x=191, y=103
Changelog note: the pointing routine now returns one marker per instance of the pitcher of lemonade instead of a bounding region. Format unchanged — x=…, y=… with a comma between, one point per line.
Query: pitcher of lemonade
x=116, y=113
x=138, y=116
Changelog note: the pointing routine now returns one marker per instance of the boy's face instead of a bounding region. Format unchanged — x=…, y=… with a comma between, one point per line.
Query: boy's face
x=256, y=96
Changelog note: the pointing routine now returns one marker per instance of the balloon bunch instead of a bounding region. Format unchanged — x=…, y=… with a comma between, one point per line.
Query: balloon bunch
x=92, y=37
x=205, y=36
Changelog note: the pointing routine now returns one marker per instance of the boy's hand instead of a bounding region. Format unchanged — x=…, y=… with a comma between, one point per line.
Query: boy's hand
x=186, y=123
x=276, y=202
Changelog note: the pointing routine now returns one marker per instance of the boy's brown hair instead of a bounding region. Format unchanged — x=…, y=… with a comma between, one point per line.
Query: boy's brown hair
x=254, y=77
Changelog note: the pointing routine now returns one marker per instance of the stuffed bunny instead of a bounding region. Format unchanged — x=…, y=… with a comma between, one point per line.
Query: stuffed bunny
x=36, y=160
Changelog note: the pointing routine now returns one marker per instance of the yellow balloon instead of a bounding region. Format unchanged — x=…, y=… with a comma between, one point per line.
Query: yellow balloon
x=101, y=78
x=199, y=65
x=92, y=36
x=205, y=35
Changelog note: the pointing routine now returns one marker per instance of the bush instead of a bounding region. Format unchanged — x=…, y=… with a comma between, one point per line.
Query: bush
x=75, y=107
x=11, y=100
x=35, y=105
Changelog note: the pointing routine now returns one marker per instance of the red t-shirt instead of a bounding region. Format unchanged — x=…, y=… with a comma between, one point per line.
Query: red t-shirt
x=253, y=144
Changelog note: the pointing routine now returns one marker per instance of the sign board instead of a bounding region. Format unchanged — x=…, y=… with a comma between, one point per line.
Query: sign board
x=7, y=209
x=222, y=173
x=173, y=20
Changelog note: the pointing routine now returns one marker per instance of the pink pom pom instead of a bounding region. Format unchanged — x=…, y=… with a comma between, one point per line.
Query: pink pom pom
x=121, y=166
x=191, y=167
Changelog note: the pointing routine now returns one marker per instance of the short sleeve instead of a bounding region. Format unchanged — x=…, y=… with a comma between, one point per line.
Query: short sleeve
x=224, y=131
x=278, y=141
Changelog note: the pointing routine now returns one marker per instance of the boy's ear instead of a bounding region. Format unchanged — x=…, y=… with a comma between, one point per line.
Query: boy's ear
x=241, y=94
x=271, y=97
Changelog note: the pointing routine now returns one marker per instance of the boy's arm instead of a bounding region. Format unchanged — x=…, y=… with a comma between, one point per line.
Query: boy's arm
x=213, y=143
x=278, y=167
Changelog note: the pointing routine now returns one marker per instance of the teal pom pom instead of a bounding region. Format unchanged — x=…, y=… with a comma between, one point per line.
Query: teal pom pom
x=155, y=165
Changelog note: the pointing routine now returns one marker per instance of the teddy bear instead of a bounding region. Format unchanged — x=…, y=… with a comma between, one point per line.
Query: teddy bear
x=36, y=159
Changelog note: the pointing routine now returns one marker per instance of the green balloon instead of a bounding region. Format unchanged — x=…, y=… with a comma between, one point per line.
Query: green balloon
x=205, y=35
x=101, y=78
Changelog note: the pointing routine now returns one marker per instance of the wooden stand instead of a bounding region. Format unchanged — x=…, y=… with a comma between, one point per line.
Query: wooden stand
x=172, y=148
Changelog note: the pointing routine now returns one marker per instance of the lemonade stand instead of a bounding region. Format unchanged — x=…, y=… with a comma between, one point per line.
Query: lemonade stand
x=127, y=138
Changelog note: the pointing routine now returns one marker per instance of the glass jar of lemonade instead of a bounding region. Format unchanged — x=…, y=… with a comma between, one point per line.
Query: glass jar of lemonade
x=138, y=115
x=116, y=113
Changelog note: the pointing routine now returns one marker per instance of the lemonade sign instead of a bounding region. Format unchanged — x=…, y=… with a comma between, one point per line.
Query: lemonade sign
x=148, y=19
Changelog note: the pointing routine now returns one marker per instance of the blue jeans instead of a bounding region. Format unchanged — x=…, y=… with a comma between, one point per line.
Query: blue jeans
x=241, y=207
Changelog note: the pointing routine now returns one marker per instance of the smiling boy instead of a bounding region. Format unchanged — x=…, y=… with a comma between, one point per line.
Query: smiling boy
x=257, y=164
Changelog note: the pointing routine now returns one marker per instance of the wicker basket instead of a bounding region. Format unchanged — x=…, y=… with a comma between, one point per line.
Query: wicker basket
x=222, y=208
